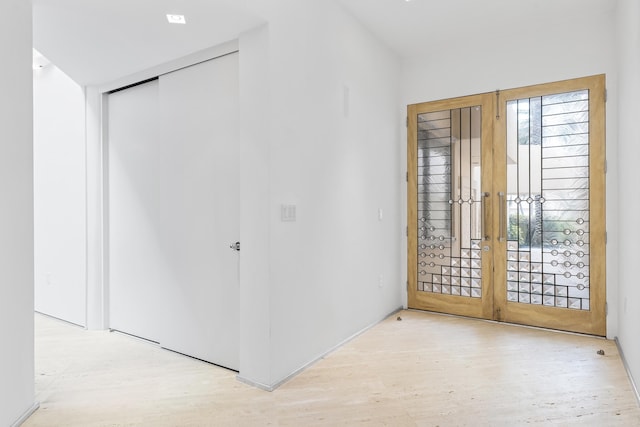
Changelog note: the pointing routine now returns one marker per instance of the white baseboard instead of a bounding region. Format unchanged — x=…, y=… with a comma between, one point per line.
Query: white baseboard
x=26, y=415
x=277, y=384
x=254, y=384
x=626, y=367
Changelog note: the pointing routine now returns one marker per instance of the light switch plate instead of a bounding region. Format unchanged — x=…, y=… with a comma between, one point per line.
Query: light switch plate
x=287, y=213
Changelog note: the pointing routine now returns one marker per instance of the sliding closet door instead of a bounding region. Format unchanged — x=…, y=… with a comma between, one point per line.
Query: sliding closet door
x=200, y=116
x=139, y=252
x=174, y=209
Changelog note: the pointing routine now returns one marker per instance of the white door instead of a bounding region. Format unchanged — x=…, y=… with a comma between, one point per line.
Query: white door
x=136, y=270
x=186, y=277
x=200, y=113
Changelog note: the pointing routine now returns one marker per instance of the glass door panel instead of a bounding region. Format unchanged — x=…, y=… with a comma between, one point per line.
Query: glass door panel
x=548, y=200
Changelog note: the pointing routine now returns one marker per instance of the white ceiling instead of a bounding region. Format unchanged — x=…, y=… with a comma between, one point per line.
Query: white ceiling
x=99, y=41
x=410, y=28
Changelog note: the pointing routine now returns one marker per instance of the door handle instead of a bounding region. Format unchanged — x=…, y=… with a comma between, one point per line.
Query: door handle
x=502, y=219
x=483, y=214
x=235, y=246
x=453, y=212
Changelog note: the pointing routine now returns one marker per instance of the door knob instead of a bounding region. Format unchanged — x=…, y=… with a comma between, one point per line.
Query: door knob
x=235, y=246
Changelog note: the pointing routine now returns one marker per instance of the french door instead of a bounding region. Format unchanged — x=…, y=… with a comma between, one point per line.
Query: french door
x=506, y=195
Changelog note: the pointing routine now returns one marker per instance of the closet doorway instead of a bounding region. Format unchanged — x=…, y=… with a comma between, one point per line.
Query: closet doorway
x=173, y=211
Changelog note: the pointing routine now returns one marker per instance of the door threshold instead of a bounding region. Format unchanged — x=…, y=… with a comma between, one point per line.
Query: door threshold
x=518, y=325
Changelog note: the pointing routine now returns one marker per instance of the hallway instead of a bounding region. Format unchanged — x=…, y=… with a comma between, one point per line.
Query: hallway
x=426, y=369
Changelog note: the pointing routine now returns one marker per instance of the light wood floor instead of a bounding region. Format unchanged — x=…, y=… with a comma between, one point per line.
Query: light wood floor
x=426, y=370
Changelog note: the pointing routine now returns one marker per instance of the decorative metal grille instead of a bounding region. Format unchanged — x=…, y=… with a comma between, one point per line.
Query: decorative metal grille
x=548, y=200
x=450, y=202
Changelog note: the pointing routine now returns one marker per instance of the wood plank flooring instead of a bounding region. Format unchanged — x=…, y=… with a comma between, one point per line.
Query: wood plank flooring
x=425, y=370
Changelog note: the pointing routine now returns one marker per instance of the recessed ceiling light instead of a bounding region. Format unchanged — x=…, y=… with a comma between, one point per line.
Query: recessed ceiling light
x=176, y=19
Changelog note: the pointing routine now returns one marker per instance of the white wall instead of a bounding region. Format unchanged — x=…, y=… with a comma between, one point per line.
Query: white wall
x=627, y=166
x=16, y=215
x=568, y=47
x=336, y=269
x=97, y=308
x=255, y=307
x=59, y=195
